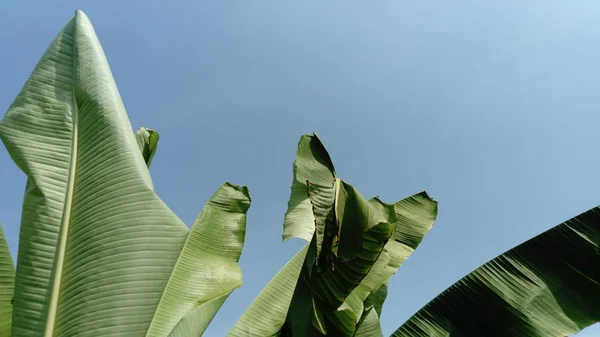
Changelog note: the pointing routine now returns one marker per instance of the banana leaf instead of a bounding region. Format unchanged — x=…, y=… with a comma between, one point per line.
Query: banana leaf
x=548, y=286
x=99, y=252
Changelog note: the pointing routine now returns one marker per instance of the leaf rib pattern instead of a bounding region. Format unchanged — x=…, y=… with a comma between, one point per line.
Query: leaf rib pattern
x=548, y=286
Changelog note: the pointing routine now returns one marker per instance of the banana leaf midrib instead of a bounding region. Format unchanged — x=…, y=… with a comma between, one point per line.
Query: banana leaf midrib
x=66, y=214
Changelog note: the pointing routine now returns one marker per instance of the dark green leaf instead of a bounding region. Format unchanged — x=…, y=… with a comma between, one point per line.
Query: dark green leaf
x=548, y=286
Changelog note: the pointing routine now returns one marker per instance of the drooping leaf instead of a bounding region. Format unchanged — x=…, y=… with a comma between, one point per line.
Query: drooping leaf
x=353, y=308
x=548, y=286
x=207, y=268
x=321, y=293
x=147, y=140
x=415, y=216
x=97, y=246
x=266, y=315
x=376, y=220
x=7, y=284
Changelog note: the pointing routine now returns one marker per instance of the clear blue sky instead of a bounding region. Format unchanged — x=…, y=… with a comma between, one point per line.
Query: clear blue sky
x=492, y=107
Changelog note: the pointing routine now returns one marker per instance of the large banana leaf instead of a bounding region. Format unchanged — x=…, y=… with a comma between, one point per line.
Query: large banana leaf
x=7, y=284
x=207, y=270
x=548, y=286
x=97, y=246
x=147, y=145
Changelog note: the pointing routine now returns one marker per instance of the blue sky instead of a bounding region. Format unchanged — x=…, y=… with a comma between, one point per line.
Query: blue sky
x=492, y=107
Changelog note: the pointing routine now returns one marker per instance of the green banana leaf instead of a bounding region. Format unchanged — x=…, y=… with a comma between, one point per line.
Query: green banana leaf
x=99, y=252
x=97, y=246
x=415, y=216
x=7, y=284
x=207, y=270
x=7, y=269
x=548, y=286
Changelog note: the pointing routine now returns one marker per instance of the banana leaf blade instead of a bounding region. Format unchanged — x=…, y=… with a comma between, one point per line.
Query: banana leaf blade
x=548, y=286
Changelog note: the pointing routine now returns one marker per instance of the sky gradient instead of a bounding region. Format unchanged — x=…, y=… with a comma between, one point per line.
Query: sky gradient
x=492, y=107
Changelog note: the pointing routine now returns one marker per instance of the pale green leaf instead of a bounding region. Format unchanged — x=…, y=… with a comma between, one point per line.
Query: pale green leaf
x=97, y=246
x=208, y=265
x=7, y=284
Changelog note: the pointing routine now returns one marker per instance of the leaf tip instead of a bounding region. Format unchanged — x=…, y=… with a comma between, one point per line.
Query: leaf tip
x=240, y=193
x=79, y=14
x=427, y=198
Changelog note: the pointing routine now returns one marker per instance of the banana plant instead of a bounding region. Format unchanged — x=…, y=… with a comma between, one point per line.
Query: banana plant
x=336, y=284
x=99, y=252
x=547, y=286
